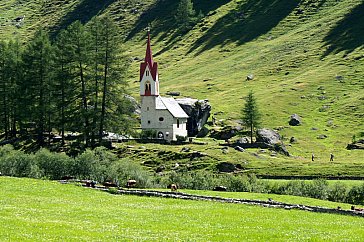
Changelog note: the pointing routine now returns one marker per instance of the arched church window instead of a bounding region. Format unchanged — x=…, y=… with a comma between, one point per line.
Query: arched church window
x=160, y=135
x=147, y=73
x=177, y=123
x=147, y=88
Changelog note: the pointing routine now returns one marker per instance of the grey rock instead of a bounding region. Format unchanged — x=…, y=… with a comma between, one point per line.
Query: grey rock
x=203, y=132
x=135, y=105
x=226, y=167
x=272, y=139
x=339, y=78
x=243, y=140
x=185, y=149
x=198, y=112
x=173, y=93
x=226, y=133
x=322, y=136
x=321, y=97
x=292, y=140
x=249, y=77
x=356, y=145
x=238, y=148
x=268, y=136
x=295, y=120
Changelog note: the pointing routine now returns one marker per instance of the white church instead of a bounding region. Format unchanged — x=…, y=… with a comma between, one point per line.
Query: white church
x=160, y=114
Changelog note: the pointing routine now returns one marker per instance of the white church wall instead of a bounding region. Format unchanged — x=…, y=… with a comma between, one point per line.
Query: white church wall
x=179, y=129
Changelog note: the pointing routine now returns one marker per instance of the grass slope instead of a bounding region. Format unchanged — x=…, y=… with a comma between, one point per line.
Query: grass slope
x=36, y=210
x=306, y=56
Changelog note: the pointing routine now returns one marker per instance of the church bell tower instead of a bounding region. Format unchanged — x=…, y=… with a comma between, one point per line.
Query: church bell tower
x=149, y=84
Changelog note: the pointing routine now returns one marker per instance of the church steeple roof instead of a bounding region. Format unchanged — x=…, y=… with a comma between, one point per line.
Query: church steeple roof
x=148, y=61
x=148, y=53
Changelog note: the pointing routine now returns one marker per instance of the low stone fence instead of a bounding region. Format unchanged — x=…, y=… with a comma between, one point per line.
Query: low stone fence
x=268, y=203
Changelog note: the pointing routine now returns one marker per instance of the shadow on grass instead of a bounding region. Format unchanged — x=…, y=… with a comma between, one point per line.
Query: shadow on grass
x=84, y=12
x=347, y=35
x=249, y=21
x=161, y=16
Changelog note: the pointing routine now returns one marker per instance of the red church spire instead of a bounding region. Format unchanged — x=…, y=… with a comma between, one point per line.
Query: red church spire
x=148, y=61
x=148, y=53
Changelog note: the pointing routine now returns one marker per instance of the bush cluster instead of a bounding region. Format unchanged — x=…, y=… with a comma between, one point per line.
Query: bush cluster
x=102, y=165
x=98, y=164
x=320, y=188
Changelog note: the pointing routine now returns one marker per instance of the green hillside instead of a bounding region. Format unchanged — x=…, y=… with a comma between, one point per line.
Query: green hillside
x=307, y=57
x=37, y=210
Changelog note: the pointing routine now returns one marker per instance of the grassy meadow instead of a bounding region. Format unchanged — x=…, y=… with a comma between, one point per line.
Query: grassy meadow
x=306, y=58
x=37, y=210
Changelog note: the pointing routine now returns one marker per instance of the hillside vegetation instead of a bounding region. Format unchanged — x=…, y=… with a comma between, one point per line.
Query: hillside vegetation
x=43, y=211
x=307, y=57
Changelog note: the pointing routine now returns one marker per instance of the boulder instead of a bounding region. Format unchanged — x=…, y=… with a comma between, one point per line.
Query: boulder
x=203, y=132
x=238, y=148
x=226, y=167
x=272, y=139
x=295, y=120
x=198, y=112
x=173, y=93
x=292, y=140
x=134, y=104
x=356, y=145
x=220, y=188
x=243, y=140
x=322, y=136
x=268, y=136
x=249, y=77
x=226, y=133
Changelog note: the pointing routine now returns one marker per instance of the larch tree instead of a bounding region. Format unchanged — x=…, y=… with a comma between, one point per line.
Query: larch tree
x=37, y=59
x=251, y=116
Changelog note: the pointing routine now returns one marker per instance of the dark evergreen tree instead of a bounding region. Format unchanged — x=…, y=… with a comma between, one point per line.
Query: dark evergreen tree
x=15, y=73
x=110, y=104
x=186, y=16
x=79, y=43
x=95, y=28
x=65, y=89
x=37, y=59
x=4, y=106
x=251, y=116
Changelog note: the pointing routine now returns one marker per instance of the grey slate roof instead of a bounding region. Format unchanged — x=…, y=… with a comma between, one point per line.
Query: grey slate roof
x=170, y=104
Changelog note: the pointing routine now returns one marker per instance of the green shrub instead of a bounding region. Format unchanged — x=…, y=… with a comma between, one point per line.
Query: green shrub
x=148, y=134
x=123, y=170
x=338, y=192
x=94, y=164
x=14, y=162
x=356, y=195
x=53, y=165
x=181, y=138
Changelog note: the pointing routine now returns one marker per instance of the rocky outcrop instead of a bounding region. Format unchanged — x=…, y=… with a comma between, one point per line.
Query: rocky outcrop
x=295, y=120
x=198, y=112
x=227, y=132
x=272, y=139
x=356, y=145
x=134, y=104
x=225, y=167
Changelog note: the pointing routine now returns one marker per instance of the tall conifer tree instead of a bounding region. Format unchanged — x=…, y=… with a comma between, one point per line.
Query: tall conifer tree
x=38, y=57
x=251, y=116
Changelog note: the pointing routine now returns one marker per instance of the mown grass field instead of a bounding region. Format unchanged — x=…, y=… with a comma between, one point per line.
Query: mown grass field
x=36, y=210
